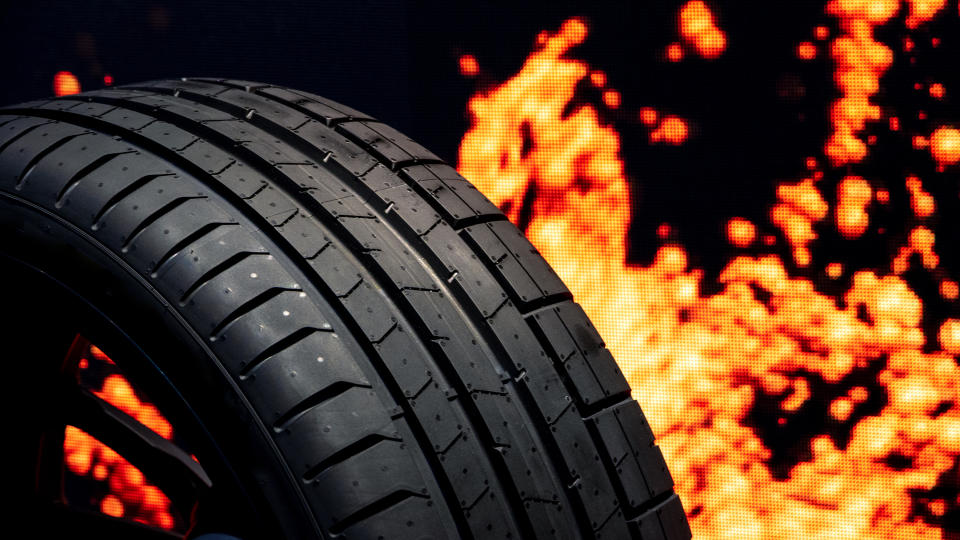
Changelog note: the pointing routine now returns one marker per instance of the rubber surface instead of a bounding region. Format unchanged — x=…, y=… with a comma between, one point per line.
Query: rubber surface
x=422, y=370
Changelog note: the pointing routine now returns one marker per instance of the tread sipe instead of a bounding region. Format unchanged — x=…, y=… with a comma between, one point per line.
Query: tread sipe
x=420, y=368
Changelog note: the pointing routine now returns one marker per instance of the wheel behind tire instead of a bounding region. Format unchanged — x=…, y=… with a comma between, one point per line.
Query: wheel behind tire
x=406, y=355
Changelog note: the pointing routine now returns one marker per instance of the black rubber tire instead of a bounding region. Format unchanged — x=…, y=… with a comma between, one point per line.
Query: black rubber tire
x=419, y=368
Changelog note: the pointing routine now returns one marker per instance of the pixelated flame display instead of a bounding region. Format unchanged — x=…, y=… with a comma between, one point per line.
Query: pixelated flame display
x=128, y=494
x=698, y=363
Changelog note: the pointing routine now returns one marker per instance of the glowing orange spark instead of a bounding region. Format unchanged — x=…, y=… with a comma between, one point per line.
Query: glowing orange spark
x=937, y=91
x=698, y=28
x=648, y=116
x=922, y=11
x=598, y=78
x=672, y=131
x=945, y=145
x=806, y=51
x=741, y=232
x=922, y=202
x=65, y=83
x=674, y=52
x=853, y=197
x=469, y=66
x=611, y=98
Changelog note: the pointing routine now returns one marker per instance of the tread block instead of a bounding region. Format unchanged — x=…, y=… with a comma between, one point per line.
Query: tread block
x=648, y=457
x=241, y=286
x=16, y=128
x=453, y=341
x=375, y=143
x=342, y=151
x=664, y=521
x=437, y=416
x=190, y=85
x=299, y=371
x=322, y=111
x=412, y=209
x=528, y=258
x=336, y=271
x=370, y=310
x=275, y=206
x=591, y=346
x=177, y=225
x=515, y=444
x=85, y=108
x=378, y=178
x=167, y=135
x=398, y=522
x=305, y=234
x=630, y=479
x=127, y=119
x=485, y=241
x=406, y=360
x=23, y=151
x=468, y=194
x=405, y=273
x=470, y=275
x=565, y=352
x=411, y=148
x=96, y=191
x=332, y=426
x=309, y=98
x=247, y=338
x=153, y=197
x=190, y=264
x=271, y=109
x=66, y=164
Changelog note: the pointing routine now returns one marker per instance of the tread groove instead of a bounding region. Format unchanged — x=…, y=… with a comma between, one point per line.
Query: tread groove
x=216, y=270
x=356, y=447
x=280, y=345
x=20, y=135
x=120, y=195
x=84, y=172
x=35, y=160
x=186, y=241
x=247, y=307
x=317, y=398
x=152, y=218
x=374, y=508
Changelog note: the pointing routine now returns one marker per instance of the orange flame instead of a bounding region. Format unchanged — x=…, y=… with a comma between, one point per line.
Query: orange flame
x=131, y=495
x=65, y=83
x=698, y=363
x=698, y=28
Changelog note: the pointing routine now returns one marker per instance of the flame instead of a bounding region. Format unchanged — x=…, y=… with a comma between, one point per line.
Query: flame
x=860, y=61
x=699, y=363
x=698, y=28
x=130, y=495
x=65, y=83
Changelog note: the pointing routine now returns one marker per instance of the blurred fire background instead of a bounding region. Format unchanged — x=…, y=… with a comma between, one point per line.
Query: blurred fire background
x=757, y=203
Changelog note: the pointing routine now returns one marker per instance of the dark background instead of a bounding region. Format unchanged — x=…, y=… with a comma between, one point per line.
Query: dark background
x=756, y=113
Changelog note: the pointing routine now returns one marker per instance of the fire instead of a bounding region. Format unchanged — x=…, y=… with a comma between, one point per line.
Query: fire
x=65, y=83
x=699, y=363
x=860, y=61
x=698, y=28
x=130, y=494
x=945, y=145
